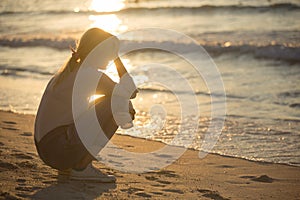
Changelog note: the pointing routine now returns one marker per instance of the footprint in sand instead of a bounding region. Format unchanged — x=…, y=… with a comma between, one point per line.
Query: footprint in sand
x=163, y=182
x=157, y=193
x=211, y=194
x=158, y=185
x=26, y=134
x=262, y=178
x=7, y=166
x=21, y=156
x=143, y=194
x=21, y=180
x=226, y=166
x=129, y=146
x=27, y=188
x=49, y=182
x=23, y=195
x=33, y=154
x=10, y=128
x=132, y=190
x=136, y=191
x=27, y=164
x=173, y=191
x=9, y=122
x=152, y=178
x=7, y=195
x=9, y=125
x=168, y=173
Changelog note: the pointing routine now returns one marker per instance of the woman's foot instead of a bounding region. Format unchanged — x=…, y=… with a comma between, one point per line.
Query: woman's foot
x=90, y=173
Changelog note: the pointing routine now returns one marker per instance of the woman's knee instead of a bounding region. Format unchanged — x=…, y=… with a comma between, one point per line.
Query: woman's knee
x=105, y=116
x=103, y=107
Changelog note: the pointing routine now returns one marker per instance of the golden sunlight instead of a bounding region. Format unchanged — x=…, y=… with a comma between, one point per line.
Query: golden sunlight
x=111, y=69
x=107, y=5
x=94, y=97
x=110, y=23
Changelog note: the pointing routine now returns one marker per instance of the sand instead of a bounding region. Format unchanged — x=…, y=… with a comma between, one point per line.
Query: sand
x=24, y=175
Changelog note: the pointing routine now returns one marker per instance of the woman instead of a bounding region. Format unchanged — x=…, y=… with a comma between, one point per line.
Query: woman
x=56, y=138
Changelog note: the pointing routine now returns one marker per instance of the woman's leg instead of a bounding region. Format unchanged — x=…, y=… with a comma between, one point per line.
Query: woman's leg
x=84, y=162
x=107, y=123
x=105, y=116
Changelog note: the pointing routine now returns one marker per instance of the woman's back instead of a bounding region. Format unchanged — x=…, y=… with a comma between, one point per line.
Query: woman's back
x=56, y=106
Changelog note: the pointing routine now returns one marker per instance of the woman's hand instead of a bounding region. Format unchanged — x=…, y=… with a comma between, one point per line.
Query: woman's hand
x=121, y=71
x=134, y=94
x=131, y=111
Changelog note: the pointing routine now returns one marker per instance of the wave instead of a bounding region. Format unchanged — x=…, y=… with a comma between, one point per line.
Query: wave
x=22, y=72
x=289, y=94
x=276, y=51
x=55, y=43
x=154, y=90
x=164, y=9
x=229, y=8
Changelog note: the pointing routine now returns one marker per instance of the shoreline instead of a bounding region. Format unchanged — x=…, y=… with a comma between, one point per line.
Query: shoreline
x=192, y=149
x=24, y=175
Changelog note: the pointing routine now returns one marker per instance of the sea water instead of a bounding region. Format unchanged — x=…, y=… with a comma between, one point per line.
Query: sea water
x=254, y=44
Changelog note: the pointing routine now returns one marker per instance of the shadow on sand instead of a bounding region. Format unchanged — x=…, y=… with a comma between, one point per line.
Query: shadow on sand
x=73, y=190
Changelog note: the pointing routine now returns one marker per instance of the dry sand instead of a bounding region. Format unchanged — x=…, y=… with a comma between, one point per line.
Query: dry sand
x=23, y=174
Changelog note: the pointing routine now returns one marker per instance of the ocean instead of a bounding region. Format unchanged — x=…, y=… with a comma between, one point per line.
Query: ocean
x=254, y=44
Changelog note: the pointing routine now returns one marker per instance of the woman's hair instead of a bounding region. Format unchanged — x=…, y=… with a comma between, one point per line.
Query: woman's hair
x=88, y=41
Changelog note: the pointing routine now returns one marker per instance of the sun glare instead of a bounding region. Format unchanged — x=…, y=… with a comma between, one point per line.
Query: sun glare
x=107, y=22
x=110, y=23
x=111, y=69
x=94, y=97
x=107, y=5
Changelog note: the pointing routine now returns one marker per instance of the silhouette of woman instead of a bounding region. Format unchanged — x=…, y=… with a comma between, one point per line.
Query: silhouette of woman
x=56, y=138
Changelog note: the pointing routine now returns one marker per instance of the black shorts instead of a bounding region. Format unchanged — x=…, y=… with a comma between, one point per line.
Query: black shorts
x=62, y=148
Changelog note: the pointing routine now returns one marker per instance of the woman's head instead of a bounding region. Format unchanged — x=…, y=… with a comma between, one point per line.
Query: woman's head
x=93, y=37
x=99, y=45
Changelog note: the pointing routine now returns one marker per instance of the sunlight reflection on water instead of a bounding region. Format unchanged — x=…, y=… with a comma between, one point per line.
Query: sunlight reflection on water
x=110, y=22
x=106, y=6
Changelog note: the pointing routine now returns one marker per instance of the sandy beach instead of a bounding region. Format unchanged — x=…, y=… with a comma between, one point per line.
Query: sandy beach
x=24, y=175
x=200, y=67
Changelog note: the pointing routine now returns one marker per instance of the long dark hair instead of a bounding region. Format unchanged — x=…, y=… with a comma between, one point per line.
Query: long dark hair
x=88, y=41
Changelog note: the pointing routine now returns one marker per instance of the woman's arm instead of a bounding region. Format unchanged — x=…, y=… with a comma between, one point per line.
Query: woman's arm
x=122, y=71
x=120, y=67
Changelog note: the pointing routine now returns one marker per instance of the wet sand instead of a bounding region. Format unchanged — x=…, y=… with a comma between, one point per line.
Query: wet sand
x=24, y=175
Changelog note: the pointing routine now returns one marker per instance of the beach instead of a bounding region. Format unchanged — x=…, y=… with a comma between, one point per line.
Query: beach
x=24, y=175
x=253, y=46
x=219, y=76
